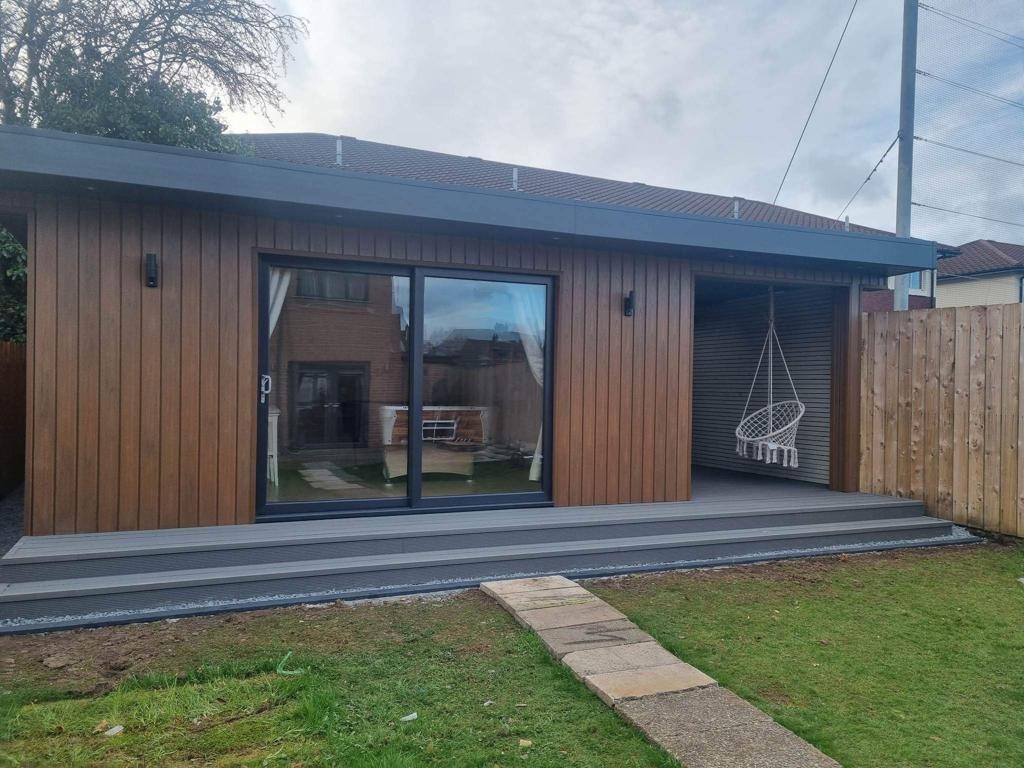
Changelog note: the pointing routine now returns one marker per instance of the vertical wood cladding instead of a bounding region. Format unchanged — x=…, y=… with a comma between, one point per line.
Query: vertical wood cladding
x=143, y=401
x=940, y=412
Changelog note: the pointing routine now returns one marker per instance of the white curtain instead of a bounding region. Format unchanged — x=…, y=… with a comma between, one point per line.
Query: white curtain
x=530, y=305
x=279, y=281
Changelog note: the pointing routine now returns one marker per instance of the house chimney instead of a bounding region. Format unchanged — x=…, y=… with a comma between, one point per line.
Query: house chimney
x=846, y=224
x=515, y=179
x=337, y=152
x=736, y=207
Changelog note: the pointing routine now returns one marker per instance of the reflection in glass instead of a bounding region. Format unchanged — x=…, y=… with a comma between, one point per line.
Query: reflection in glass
x=338, y=359
x=483, y=386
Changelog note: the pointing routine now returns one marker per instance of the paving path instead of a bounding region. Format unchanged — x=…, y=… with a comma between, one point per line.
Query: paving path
x=676, y=705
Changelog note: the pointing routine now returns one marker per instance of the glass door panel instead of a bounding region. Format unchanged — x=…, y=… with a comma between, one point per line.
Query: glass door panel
x=483, y=376
x=338, y=361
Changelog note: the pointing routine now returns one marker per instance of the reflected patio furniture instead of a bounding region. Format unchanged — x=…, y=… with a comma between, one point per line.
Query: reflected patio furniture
x=452, y=435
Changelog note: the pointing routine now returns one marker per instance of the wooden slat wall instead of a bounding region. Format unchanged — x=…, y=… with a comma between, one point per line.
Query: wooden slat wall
x=130, y=388
x=144, y=413
x=941, y=419
x=143, y=405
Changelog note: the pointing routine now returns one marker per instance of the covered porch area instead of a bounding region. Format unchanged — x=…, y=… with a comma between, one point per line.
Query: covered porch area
x=55, y=582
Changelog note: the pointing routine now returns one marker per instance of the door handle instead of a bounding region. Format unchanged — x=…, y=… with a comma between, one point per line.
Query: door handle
x=266, y=385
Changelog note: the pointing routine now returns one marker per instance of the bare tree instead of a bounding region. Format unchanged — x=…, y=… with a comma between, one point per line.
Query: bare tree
x=230, y=49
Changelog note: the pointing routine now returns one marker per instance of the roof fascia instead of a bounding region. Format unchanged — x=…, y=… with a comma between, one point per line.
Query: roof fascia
x=91, y=159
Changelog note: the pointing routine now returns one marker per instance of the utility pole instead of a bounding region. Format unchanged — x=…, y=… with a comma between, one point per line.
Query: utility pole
x=905, y=167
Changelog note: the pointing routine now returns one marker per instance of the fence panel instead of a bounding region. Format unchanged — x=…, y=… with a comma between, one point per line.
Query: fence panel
x=941, y=389
x=12, y=416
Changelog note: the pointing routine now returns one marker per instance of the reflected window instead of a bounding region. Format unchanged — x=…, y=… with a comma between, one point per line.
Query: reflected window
x=328, y=404
x=484, y=344
x=336, y=286
x=338, y=369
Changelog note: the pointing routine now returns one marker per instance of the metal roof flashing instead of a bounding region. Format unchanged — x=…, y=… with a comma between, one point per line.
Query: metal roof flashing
x=54, y=155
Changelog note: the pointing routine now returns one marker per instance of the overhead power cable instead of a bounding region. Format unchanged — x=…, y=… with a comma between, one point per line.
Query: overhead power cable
x=815, y=103
x=971, y=89
x=977, y=26
x=866, y=180
x=968, y=151
x=971, y=215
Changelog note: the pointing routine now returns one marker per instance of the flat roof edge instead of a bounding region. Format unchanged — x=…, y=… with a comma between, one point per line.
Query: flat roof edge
x=56, y=154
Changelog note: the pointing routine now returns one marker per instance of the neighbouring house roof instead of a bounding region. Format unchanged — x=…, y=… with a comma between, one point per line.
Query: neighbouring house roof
x=352, y=154
x=980, y=256
x=71, y=163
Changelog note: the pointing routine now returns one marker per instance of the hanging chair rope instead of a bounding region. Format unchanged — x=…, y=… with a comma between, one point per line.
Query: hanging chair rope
x=753, y=384
x=759, y=435
x=785, y=365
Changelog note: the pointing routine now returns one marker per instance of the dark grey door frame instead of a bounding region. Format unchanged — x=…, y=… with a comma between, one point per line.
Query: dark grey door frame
x=414, y=502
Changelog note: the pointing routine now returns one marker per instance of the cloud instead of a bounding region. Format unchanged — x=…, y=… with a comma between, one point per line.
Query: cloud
x=707, y=96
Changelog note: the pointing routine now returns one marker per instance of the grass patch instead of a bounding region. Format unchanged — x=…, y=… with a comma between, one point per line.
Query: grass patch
x=224, y=691
x=368, y=482
x=905, y=659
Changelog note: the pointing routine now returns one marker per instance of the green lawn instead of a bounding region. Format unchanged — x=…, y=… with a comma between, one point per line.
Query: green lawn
x=214, y=691
x=905, y=659
x=912, y=659
x=488, y=477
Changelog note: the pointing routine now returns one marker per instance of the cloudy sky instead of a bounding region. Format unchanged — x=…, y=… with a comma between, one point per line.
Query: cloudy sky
x=694, y=94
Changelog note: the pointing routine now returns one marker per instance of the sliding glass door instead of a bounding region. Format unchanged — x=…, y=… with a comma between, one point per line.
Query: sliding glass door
x=390, y=390
x=483, y=386
x=337, y=353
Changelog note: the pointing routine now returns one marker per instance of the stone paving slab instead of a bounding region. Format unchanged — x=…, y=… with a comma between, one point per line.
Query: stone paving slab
x=618, y=658
x=697, y=711
x=602, y=634
x=545, y=598
x=614, y=687
x=495, y=588
x=761, y=745
x=674, y=704
x=715, y=728
x=567, y=616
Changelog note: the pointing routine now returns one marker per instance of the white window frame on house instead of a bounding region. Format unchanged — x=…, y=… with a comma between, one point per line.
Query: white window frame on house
x=927, y=278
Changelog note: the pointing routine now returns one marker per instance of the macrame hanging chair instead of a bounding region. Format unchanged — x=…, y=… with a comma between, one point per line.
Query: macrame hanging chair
x=769, y=433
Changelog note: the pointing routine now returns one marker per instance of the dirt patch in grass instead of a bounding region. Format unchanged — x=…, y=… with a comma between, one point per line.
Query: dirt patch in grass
x=308, y=686
x=91, y=661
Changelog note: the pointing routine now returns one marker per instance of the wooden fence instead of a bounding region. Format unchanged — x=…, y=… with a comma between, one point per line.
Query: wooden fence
x=940, y=412
x=12, y=416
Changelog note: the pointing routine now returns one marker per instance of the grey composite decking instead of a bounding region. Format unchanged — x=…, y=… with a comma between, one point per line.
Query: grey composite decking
x=60, y=581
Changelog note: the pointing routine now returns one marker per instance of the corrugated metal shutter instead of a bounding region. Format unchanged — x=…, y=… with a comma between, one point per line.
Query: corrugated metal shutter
x=728, y=336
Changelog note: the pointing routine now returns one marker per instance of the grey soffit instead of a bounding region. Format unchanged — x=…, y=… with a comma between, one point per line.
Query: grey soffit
x=96, y=161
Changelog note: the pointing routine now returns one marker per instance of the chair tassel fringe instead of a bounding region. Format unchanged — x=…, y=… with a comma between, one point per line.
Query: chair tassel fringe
x=769, y=453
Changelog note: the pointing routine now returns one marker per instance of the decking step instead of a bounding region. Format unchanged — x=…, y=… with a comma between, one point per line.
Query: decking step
x=82, y=555
x=36, y=605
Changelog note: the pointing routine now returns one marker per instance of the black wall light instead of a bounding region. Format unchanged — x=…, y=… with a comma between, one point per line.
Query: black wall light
x=152, y=271
x=629, y=304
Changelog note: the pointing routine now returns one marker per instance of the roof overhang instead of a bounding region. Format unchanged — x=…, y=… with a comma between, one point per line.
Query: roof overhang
x=51, y=159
